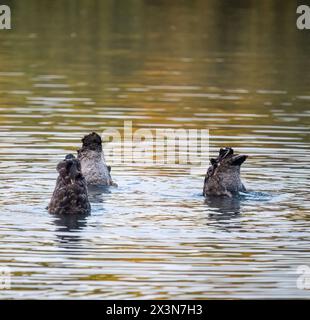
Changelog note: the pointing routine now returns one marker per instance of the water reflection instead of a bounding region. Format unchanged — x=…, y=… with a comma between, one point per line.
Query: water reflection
x=97, y=194
x=164, y=64
x=69, y=227
x=223, y=206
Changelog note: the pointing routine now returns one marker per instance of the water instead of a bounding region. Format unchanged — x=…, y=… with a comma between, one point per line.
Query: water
x=67, y=69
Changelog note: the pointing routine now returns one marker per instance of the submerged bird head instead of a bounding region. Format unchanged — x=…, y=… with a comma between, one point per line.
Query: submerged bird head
x=224, y=173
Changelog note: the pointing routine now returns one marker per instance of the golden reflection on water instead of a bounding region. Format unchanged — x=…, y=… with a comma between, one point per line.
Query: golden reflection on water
x=238, y=69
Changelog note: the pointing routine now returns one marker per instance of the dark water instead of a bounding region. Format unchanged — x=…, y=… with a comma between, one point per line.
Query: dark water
x=240, y=70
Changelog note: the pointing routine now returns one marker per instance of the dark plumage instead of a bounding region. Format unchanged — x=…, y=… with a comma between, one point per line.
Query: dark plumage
x=91, y=141
x=223, y=176
x=70, y=194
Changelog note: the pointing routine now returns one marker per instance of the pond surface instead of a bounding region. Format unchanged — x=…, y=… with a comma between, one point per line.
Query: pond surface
x=67, y=69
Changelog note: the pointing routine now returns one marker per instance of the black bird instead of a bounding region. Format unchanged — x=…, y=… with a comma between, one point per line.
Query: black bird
x=70, y=195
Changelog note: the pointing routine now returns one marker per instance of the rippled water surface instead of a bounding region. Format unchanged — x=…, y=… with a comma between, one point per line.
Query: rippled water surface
x=68, y=68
